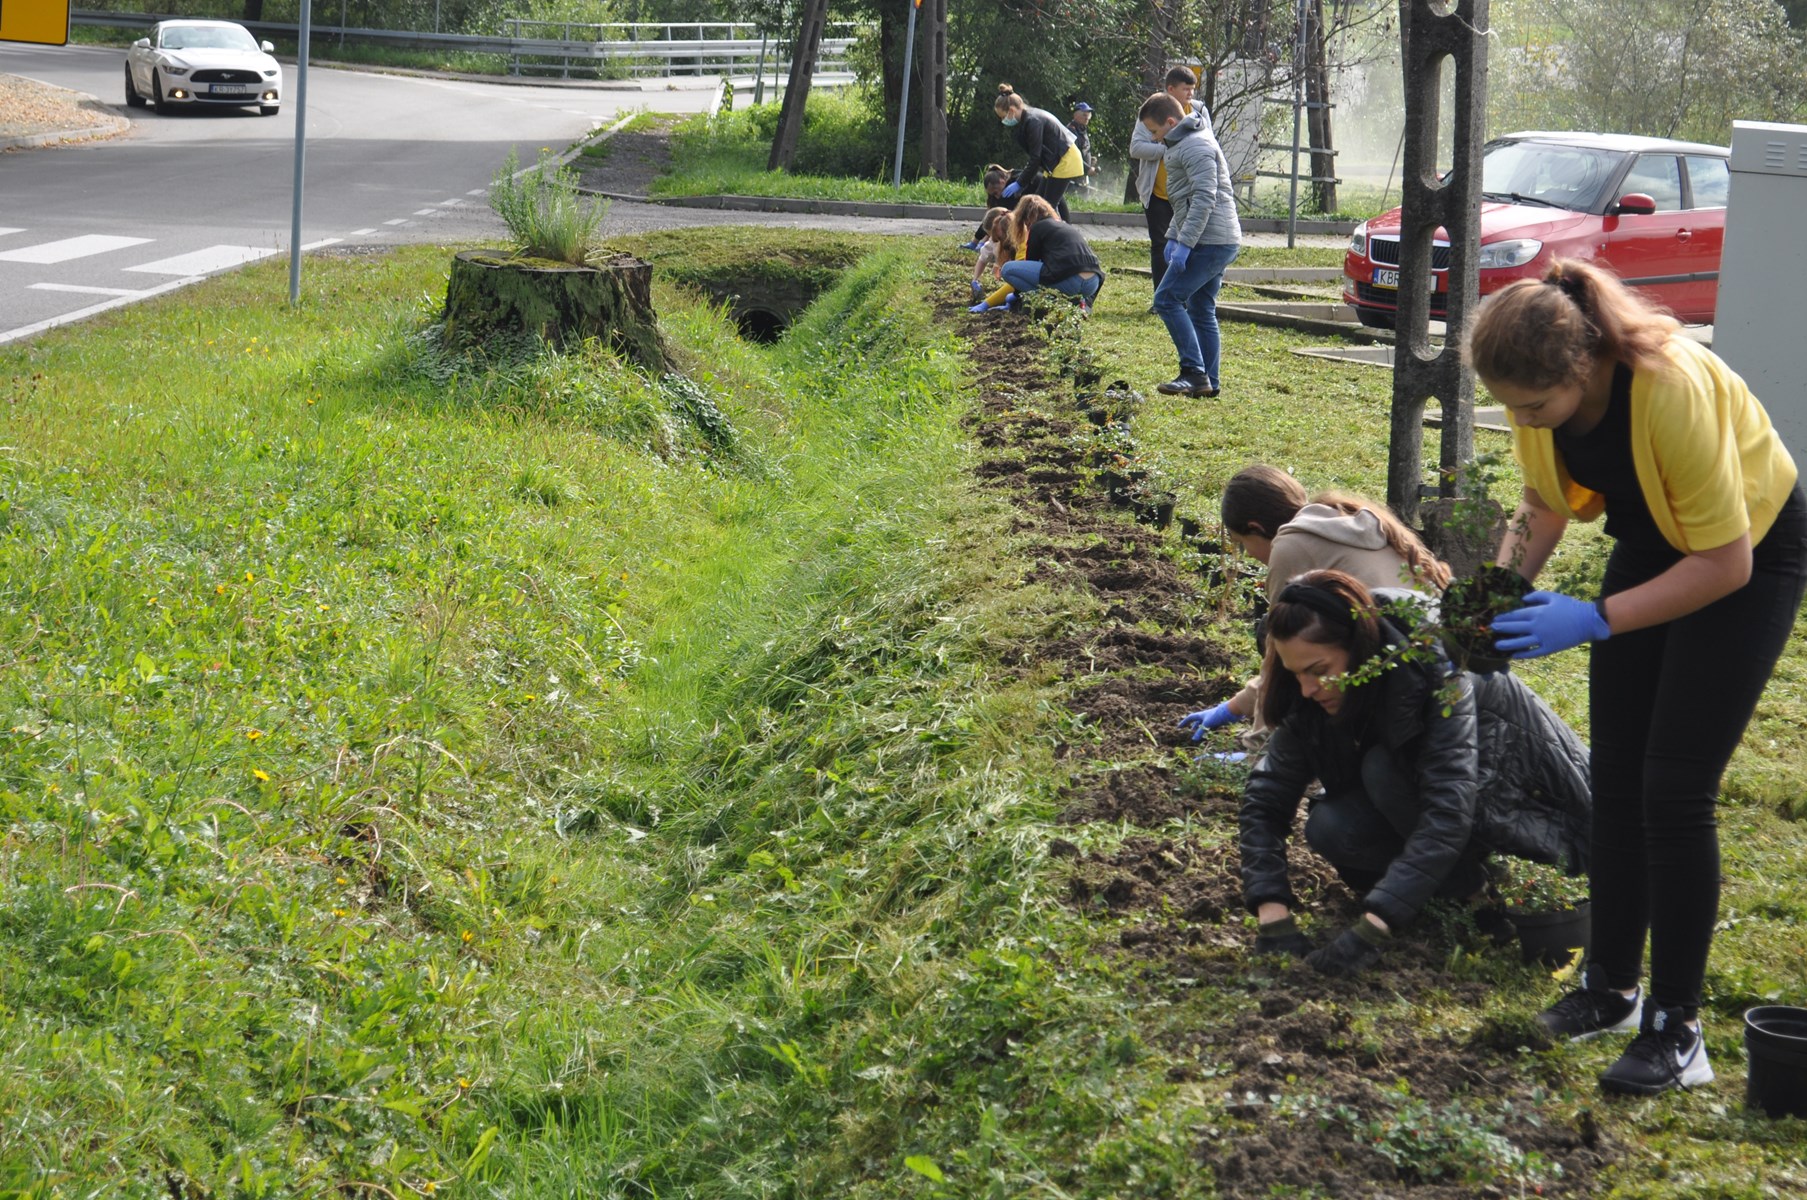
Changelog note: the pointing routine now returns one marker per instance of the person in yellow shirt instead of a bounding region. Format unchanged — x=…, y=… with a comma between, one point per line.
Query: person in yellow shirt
x=1147, y=152
x=1054, y=159
x=1616, y=412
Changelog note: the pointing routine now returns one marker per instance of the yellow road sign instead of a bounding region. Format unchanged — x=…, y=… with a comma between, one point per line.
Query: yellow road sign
x=45, y=22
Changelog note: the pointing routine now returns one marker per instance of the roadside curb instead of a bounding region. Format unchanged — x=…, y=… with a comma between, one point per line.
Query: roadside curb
x=931, y=212
x=112, y=125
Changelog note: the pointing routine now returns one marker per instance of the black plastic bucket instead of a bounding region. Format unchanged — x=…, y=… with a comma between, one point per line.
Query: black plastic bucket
x=1775, y=1042
x=1551, y=938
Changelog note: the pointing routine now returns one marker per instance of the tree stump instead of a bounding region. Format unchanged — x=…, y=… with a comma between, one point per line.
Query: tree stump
x=492, y=293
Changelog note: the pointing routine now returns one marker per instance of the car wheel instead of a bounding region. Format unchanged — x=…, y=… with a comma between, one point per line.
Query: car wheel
x=132, y=97
x=1374, y=318
x=157, y=90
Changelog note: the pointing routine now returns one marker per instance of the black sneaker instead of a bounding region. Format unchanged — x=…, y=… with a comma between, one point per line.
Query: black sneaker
x=1666, y=1054
x=1593, y=1008
x=1187, y=385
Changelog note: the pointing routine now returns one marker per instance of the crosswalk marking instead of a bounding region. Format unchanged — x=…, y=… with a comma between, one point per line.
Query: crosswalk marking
x=397, y=221
x=68, y=248
x=476, y=191
x=86, y=291
x=426, y=212
x=204, y=262
x=321, y=243
x=360, y=233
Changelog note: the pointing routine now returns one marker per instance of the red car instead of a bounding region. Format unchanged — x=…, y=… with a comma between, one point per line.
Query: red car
x=1652, y=209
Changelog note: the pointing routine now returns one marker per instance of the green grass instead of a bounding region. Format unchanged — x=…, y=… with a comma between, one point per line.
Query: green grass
x=530, y=778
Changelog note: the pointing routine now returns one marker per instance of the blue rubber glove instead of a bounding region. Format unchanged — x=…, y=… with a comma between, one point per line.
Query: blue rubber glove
x=981, y=306
x=978, y=289
x=1176, y=255
x=1549, y=622
x=1211, y=718
x=1012, y=190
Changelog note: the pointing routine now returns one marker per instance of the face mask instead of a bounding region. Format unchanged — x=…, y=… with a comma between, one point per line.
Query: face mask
x=1008, y=121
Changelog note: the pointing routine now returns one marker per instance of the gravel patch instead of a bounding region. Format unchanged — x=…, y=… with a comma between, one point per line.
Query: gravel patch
x=29, y=108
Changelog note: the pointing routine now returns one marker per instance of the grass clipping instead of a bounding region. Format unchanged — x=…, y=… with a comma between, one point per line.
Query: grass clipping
x=545, y=216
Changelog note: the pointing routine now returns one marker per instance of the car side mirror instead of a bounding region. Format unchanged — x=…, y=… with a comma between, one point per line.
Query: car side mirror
x=266, y=47
x=1634, y=204
x=142, y=44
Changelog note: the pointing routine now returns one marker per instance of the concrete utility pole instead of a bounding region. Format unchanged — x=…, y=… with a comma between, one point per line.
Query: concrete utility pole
x=805, y=52
x=1426, y=36
x=934, y=89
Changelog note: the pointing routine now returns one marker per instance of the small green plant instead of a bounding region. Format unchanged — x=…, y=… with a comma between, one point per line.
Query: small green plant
x=546, y=217
x=1426, y=1142
x=1540, y=887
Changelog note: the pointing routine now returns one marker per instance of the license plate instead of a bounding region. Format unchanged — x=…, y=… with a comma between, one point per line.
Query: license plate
x=1388, y=277
x=239, y=89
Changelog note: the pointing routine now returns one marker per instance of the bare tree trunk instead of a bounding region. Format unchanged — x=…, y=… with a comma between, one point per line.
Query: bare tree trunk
x=934, y=89
x=1160, y=34
x=254, y=10
x=804, y=53
x=1317, y=95
x=891, y=66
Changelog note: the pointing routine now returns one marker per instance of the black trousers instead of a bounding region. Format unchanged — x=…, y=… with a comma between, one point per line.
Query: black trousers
x=1360, y=831
x=1668, y=705
x=1160, y=215
x=1054, y=191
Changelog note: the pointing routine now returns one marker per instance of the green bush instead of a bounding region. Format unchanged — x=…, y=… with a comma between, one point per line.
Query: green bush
x=545, y=216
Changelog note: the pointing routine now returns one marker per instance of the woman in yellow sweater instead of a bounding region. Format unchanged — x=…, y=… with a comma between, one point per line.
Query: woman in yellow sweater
x=1616, y=412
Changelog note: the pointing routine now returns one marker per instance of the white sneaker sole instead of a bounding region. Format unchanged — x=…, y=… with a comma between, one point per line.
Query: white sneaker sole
x=1631, y=1024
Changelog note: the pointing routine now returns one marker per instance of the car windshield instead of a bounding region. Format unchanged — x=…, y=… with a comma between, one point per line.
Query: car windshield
x=1541, y=173
x=207, y=37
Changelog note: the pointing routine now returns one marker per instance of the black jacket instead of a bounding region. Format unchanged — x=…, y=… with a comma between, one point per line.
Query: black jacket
x=1044, y=139
x=1061, y=250
x=1498, y=766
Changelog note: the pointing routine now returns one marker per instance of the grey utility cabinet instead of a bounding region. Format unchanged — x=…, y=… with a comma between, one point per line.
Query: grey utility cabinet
x=1761, y=324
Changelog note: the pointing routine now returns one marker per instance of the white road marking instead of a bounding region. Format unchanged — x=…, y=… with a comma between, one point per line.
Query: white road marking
x=86, y=291
x=360, y=233
x=426, y=212
x=204, y=262
x=476, y=191
x=397, y=221
x=322, y=242
x=4, y=231
x=25, y=331
x=453, y=202
x=68, y=248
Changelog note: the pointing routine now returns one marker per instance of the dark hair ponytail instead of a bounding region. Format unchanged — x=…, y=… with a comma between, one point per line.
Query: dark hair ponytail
x=1008, y=99
x=1261, y=497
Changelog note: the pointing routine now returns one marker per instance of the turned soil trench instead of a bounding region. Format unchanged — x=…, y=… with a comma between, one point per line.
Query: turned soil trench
x=1296, y=1039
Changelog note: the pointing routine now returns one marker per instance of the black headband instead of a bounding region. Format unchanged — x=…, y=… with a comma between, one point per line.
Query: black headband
x=1322, y=601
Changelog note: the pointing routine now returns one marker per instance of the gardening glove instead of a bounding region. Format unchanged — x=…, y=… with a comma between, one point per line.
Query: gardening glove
x=1012, y=189
x=978, y=289
x=1549, y=622
x=1211, y=718
x=1177, y=255
x=981, y=306
x=1282, y=937
x=1354, y=950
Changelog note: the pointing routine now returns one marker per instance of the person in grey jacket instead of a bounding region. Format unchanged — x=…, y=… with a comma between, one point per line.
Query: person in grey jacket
x=1202, y=241
x=1146, y=151
x=1425, y=771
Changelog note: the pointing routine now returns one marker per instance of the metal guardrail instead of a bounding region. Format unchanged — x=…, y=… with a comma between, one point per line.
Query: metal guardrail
x=628, y=54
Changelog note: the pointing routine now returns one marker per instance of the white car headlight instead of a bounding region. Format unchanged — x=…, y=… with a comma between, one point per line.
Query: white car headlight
x=1358, y=241
x=1514, y=253
x=270, y=74
x=176, y=69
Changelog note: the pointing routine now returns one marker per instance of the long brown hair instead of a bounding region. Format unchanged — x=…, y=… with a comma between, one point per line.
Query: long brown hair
x=1355, y=628
x=1260, y=499
x=1541, y=334
x=1008, y=99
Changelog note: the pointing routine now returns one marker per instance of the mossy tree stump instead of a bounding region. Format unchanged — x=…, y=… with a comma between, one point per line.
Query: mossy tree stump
x=493, y=294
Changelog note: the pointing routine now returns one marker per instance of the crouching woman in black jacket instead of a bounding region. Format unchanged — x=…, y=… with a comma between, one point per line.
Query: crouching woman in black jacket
x=1425, y=772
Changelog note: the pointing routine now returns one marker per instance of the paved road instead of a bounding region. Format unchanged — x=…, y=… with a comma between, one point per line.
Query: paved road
x=390, y=159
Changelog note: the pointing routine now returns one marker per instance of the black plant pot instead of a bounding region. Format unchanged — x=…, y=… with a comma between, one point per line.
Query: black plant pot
x=1551, y=938
x=1469, y=606
x=1156, y=511
x=1775, y=1041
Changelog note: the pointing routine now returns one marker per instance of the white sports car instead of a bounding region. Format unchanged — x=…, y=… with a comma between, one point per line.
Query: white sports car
x=202, y=62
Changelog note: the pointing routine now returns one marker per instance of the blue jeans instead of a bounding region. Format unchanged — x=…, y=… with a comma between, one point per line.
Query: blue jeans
x=1186, y=301
x=1025, y=275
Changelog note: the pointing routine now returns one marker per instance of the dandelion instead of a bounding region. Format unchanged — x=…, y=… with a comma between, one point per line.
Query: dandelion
x=464, y=1085
x=530, y=697
x=341, y=881
x=250, y=578
x=340, y=912
x=219, y=589
x=466, y=936
x=251, y=735
x=261, y=776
